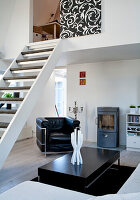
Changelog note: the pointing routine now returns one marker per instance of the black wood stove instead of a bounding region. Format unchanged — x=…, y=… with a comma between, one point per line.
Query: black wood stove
x=108, y=127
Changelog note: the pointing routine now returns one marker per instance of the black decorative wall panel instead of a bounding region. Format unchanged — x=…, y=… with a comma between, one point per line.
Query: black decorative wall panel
x=80, y=17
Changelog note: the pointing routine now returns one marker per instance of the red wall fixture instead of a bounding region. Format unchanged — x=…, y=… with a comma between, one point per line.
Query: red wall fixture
x=82, y=74
x=82, y=81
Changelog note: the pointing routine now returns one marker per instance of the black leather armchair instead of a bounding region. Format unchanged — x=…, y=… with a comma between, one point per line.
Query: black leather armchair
x=54, y=133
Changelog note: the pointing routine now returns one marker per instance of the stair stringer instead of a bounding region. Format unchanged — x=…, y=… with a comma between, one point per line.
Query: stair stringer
x=17, y=123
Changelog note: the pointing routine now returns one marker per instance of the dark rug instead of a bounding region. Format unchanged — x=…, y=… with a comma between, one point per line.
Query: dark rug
x=110, y=182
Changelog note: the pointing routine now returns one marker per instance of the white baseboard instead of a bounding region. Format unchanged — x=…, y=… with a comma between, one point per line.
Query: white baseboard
x=90, y=141
x=132, y=149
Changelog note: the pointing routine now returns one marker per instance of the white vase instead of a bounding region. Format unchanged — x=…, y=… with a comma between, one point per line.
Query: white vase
x=77, y=141
x=132, y=110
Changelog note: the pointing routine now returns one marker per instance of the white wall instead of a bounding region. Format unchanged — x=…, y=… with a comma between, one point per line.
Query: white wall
x=45, y=107
x=120, y=25
x=16, y=22
x=108, y=84
x=4, y=64
x=6, y=8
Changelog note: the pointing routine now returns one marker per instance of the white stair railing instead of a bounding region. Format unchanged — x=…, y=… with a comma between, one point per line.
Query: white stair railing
x=17, y=123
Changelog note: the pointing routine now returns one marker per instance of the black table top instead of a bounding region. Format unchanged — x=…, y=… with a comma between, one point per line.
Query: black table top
x=94, y=159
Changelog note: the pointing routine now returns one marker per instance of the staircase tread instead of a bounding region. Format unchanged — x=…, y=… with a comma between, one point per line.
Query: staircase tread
x=4, y=124
x=32, y=59
x=37, y=51
x=19, y=77
x=11, y=99
x=16, y=88
x=26, y=68
x=7, y=111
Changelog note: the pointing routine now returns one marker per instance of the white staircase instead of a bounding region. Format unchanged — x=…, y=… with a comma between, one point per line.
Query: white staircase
x=30, y=70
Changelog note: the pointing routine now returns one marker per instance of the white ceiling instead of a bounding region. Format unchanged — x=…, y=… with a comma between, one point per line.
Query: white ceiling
x=104, y=54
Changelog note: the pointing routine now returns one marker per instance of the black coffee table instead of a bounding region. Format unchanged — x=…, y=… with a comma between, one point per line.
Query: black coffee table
x=62, y=173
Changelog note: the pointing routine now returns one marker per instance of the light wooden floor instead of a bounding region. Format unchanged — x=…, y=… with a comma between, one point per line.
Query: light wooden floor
x=25, y=158
x=22, y=164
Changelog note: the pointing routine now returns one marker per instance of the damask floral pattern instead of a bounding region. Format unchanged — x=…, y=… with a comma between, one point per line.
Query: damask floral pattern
x=80, y=17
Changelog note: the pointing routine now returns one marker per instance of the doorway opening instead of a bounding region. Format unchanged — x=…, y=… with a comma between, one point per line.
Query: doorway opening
x=46, y=20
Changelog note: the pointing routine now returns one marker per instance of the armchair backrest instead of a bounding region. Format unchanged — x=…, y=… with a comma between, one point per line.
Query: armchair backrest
x=55, y=123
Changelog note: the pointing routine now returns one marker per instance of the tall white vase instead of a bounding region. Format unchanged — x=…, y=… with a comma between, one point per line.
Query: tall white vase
x=77, y=141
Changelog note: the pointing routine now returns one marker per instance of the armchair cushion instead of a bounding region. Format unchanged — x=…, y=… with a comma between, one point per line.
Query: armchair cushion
x=60, y=137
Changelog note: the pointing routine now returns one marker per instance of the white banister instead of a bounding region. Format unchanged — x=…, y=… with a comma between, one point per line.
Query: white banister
x=12, y=132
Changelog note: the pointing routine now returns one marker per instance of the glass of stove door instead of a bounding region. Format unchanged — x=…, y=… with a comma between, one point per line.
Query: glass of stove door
x=106, y=122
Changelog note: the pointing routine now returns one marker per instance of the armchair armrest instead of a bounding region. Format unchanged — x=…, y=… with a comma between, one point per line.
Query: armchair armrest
x=42, y=122
x=41, y=134
x=72, y=122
